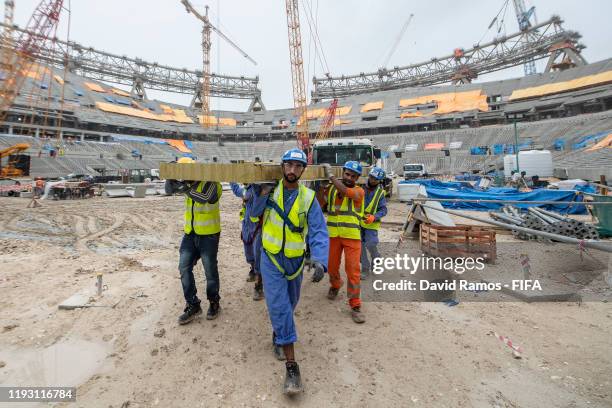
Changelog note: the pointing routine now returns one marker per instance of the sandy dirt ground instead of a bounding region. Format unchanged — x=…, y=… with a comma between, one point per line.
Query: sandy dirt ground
x=129, y=351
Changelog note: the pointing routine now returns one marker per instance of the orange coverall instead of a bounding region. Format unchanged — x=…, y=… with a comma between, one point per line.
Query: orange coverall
x=352, y=254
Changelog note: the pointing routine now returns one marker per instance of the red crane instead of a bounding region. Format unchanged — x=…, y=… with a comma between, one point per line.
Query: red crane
x=328, y=120
x=18, y=62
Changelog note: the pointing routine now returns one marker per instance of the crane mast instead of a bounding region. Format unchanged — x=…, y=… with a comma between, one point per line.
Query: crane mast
x=20, y=58
x=297, y=74
x=523, y=17
x=206, y=44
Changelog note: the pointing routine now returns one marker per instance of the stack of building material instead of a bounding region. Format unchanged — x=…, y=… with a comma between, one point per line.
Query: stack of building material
x=547, y=221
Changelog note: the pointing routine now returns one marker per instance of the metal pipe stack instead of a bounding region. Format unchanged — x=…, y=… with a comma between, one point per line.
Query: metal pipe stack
x=546, y=221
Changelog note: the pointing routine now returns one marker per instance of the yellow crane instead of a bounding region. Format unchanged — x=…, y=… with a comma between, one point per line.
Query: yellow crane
x=297, y=74
x=10, y=170
x=206, y=44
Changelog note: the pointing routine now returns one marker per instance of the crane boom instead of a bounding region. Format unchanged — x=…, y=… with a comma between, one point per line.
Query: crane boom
x=19, y=147
x=297, y=73
x=397, y=40
x=328, y=120
x=204, y=19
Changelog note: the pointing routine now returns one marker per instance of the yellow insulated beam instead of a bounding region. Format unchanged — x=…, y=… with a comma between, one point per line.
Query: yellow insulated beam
x=238, y=172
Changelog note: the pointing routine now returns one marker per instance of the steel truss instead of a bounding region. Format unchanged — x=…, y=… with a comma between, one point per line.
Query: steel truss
x=138, y=74
x=538, y=42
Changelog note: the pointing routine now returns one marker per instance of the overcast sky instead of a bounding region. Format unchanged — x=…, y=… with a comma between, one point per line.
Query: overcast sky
x=355, y=34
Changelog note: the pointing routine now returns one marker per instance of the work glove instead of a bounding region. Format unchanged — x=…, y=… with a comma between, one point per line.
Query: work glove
x=328, y=170
x=179, y=186
x=370, y=219
x=319, y=272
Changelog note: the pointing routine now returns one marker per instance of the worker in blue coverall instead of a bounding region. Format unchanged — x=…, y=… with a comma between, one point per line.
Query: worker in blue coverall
x=375, y=208
x=250, y=234
x=292, y=220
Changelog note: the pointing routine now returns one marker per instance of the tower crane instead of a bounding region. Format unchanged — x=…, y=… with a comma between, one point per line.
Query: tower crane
x=206, y=43
x=9, y=10
x=297, y=74
x=19, y=60
x=524, y=17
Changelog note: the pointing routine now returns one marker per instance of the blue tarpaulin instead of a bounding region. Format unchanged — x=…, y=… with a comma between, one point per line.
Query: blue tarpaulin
x=456, y=190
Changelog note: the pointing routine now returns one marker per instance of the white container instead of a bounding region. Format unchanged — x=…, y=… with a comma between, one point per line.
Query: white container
x=533, y=162
x=407, y=192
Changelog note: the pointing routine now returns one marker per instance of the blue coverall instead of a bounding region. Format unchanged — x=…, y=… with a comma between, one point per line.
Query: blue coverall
x=369, y=237
x=282, y=295
x=251, y=231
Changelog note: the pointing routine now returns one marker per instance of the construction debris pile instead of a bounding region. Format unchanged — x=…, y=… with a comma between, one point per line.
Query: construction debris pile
x=546, y=221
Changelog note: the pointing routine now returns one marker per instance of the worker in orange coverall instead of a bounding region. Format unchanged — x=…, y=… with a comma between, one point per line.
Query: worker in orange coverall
x=344, y=202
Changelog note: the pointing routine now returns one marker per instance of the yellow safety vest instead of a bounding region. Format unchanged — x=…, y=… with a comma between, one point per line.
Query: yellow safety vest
x=372, y=207
x=343, y=220
x=276, y=235
x=203, y=219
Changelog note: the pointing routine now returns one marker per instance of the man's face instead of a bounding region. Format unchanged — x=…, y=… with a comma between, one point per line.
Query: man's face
x=292, y=171
x=349, y=178
x=372, y=181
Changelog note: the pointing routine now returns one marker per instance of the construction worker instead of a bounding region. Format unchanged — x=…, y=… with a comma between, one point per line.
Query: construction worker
x=250, y=234
x=292, y=219
x=39, y=187
x=344, y=201
x=375, y=207
x=201, y=241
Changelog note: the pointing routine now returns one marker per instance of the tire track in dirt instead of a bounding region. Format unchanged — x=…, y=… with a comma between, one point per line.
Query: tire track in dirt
x=81, y=243
x=92, y=224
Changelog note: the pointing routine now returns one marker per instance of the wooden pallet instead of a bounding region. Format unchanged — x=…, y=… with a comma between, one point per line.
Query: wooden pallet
x=459, y=241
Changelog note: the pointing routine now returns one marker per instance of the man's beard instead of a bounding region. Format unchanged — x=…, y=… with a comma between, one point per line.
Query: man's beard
x=370, y=186
x=290, y=178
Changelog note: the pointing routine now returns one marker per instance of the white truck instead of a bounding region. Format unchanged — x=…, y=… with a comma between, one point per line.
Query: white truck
x=338, y=151
x=414, y=170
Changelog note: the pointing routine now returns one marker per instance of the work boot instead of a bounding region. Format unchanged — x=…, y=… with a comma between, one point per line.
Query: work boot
x=333, y=293
x=357, y=316
x=293, y=380
x=252, y=276
x=213, y=311
x=258, y=292
x=190, y=313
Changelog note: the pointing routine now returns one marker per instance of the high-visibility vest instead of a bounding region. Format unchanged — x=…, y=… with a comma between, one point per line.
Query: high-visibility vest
x=343, y=220
x=372, y=208
x=203, y=219
x=254, y=220
x=276, y=234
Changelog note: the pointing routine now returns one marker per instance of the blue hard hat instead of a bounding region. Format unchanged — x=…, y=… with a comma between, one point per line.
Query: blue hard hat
x=353, y=166
x=377, y=173
x=295, y=155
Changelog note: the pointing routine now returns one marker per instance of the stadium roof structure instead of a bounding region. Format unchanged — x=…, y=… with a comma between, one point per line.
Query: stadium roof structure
x=545, y=40
x=139, y=74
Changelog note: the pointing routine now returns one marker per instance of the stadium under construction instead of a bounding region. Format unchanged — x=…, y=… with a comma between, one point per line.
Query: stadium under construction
x=110, y=198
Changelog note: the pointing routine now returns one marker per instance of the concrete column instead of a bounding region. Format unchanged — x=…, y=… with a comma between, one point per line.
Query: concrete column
x=37, y=132
x=83, y=137
x=10, y=130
